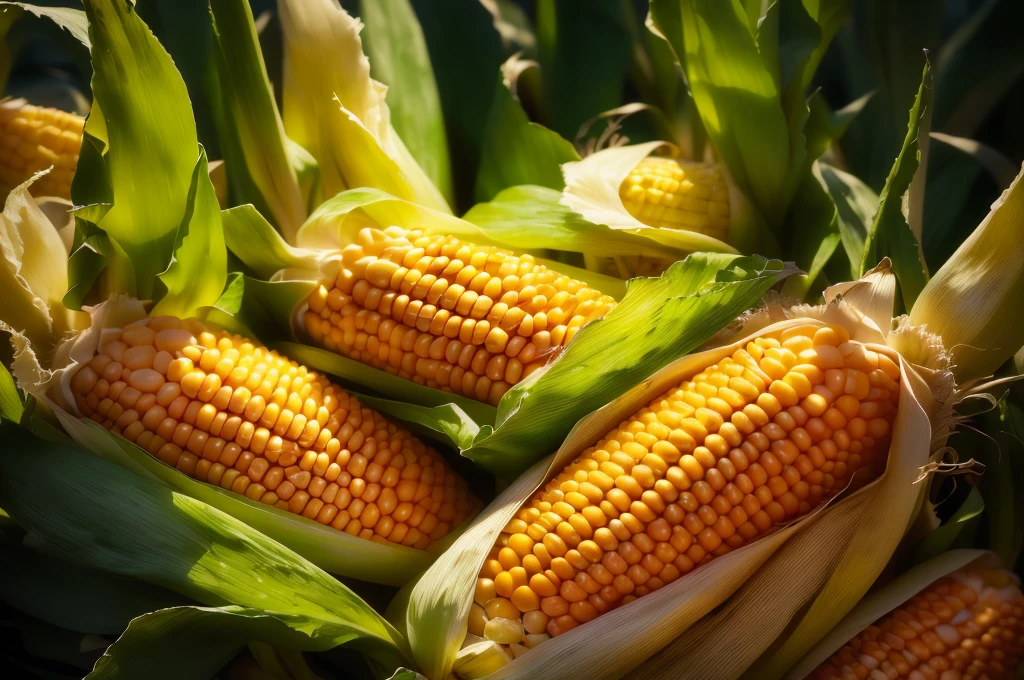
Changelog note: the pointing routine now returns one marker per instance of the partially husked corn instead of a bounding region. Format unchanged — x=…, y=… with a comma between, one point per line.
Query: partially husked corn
x=662, y=192
x=966, y=625
x=763, y=436
x=33, y=138
x=473, y=320
x=228, y=412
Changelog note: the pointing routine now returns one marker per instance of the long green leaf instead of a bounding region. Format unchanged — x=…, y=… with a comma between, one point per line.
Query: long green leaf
x=890, y=235
x=738, y=99
x=398, y=55
x=11, y=407
x=75, y=597
x=816, y=232
x=103, y=517
x=152, y=646
x=659, y=320
x=151, y=134
x=197, y=271
x=252, y=116
x=71, y=20
x=517, y=151
x=856, y=204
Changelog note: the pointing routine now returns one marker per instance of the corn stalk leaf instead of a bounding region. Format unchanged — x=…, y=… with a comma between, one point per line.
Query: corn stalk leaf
x=11, y=407
x=968, y=88
x=151, y=136
x=71, y=20
x=152, y=645
x=197, y=271
x=75, y=597
x=735, y=92
x=890, y=234
x=816, y=232
x=398, y=55
x=516, y=151
x=252, y=118
x=1004, y=465
x=856, y=204
x=103, y=517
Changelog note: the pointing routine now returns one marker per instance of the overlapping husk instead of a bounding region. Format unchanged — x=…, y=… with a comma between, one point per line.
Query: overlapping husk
x=592, y=190
x=831, y=555
x=333, y=550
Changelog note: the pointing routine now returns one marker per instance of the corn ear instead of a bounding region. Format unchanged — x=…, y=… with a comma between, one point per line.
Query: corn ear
x=966, y=301
x=436, y=607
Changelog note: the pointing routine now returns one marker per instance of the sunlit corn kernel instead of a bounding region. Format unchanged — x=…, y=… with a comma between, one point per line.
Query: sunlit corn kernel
x=36, y=138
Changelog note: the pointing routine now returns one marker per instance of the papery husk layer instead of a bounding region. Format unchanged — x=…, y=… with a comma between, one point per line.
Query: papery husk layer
x=796, y=560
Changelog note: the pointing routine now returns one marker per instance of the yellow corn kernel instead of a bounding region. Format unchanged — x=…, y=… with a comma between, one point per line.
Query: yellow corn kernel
x=664, y=193
x=33, y=138
x=759, y=438
x=966, y=625
x=467, y=319
x=313, y=450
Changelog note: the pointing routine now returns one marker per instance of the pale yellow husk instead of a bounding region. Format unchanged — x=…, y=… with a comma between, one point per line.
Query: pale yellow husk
x=974, y=301
x=790, y=567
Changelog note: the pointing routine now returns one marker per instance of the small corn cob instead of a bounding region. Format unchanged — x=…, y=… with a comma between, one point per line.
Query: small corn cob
x=33, y=138
x=966, y=625
x=467, y=319
x=662, y=192
x=228, y=412
x=759, y=438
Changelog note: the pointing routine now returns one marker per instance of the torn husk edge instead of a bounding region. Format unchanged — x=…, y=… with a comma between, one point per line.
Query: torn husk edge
x=434, y=610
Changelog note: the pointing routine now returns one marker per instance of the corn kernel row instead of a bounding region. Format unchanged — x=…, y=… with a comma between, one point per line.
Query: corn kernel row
x=447, y=314
x=660, y=192
x=967, y=625
x=229, y=412
x=763, y=436
x=33, y=138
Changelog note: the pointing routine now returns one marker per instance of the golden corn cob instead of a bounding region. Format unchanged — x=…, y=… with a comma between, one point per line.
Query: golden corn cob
x=228, y=412
x=966, y=625
x=759, y=438
x=662, y=192
x=33, y=138
x=467, y=319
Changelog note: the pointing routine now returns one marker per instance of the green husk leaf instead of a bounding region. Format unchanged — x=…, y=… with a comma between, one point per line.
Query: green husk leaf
x=942, y=539
x=324, y=546
x=884, y=600
x=103, y=517
x=856, y=204
x=398, y=58
x=71, y=20
x=255, y=241
x=11, y=407
x=252, y=115
x=816, y=231
x=248, y=304
x=738, y=99
x=151, y=137
x=658, y=320
x=966, y=301
x=516, y=151
x=75, y=597
x=197, y=271
x=890, y=234
x=152, y=645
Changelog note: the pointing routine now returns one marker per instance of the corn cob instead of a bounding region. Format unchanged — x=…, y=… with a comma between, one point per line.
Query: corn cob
x=33, y=138
x=966, y=625
x=662, y=192
x=467, y=319
x=229, y=412
x=761, y=437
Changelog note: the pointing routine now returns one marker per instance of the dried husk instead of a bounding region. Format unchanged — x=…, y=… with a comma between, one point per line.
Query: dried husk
x=788, y=566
